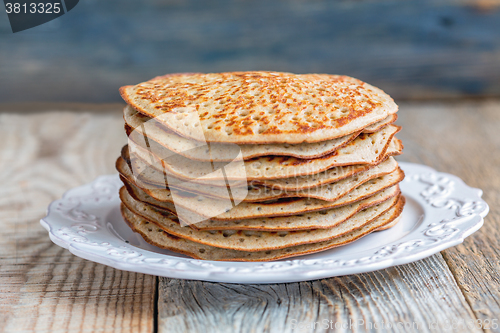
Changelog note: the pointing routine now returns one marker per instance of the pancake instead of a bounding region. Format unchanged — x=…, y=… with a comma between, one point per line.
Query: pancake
x=328, y=176
x=327, y=192
x=151, y=176
x=137, y=125
x=162, y=239
x=148, y=174
x=211, y=208
x=380, y=124
x=365, y=149
x=260, y=107
x=389, y=225
x=252, y=240
x=262, y=242
x=316, y=220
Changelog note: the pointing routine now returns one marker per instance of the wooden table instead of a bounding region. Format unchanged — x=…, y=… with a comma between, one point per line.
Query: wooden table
x=45, y=288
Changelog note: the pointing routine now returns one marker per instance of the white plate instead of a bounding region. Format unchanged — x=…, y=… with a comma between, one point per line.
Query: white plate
x=440, y=212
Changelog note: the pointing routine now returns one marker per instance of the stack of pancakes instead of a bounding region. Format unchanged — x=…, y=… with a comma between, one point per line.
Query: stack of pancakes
x=255, y=166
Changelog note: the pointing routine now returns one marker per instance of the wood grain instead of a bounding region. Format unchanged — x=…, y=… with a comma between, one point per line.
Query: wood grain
x=421, y=296
x=43, y=287
x=463, y=139
x=411, y=49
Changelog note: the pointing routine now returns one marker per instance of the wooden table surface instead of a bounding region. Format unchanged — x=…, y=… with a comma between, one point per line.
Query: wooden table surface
x=45, y=288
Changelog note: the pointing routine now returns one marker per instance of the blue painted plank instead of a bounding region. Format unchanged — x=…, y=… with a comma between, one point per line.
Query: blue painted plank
x=412, y=49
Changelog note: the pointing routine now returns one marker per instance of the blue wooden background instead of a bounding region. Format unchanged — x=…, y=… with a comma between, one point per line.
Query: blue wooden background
x=412, y=49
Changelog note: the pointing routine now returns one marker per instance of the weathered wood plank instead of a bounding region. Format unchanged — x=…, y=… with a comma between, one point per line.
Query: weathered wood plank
x=43, y=287
x=421, y=296
x=411, y=49
x=462, y=138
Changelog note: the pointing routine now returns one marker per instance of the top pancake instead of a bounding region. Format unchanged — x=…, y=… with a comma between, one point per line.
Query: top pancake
x=137, y=125
x=260, y=107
